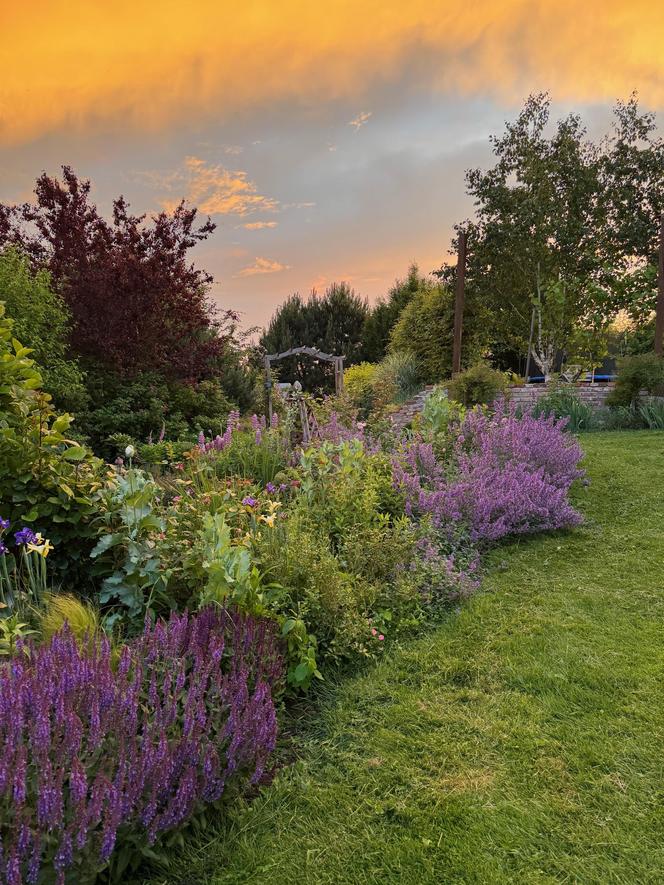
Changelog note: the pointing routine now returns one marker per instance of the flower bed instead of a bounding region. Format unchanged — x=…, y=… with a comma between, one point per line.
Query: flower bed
x=98, y=749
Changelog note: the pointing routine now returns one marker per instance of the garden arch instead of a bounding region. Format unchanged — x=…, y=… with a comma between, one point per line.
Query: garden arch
x=309, y=351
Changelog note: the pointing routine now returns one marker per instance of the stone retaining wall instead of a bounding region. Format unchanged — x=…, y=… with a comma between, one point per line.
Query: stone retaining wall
x=525, y=396
x=593, y=394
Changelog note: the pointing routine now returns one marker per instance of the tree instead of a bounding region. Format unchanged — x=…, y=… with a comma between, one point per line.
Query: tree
x=535, y=212
x=42, y=322
x=425, y=329
x=332, y=323
x=558, y=210
x=385, y=313
x=631, y=173
x=137, y=303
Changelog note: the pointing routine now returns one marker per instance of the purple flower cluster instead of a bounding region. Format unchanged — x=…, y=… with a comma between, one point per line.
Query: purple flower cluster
x=511, y=476
x=93, y=748
x=336, y=432
x=25, y=536
x=258, y=425
x=220, y=442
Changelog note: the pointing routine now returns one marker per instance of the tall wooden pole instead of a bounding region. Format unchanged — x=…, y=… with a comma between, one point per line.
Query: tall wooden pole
x=459, y=303
x=659, y=309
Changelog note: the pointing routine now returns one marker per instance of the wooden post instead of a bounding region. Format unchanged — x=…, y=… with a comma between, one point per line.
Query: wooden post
x=339, y=375
x=659, y=309
x=459, y=304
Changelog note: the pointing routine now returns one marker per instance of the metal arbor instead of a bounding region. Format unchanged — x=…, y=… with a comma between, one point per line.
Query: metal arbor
x=270, y=358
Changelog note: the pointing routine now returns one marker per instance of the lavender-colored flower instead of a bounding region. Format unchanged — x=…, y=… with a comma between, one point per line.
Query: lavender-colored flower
x=91, y=748
x=510, y=475
x=4, y=524
x=25, y=536
x=248, y=501
x=270, y=488
x=3, y=548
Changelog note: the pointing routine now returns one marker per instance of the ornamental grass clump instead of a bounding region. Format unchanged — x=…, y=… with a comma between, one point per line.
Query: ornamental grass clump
x=507, y=475
x=100, y=755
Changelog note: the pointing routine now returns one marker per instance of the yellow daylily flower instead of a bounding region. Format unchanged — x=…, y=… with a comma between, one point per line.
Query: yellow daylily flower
x=41, y=546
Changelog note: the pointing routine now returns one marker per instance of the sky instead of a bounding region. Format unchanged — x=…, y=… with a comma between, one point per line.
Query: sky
x=326, y=141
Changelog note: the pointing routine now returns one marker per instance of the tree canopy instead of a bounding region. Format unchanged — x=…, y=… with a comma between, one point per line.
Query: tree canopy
x=425, y=329
x=384, y=315
x=332, y=322
x=137, y=303
x=42, y=322
x=558, y=213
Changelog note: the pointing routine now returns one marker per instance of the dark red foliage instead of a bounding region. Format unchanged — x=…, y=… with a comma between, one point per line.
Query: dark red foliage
x=137, y=302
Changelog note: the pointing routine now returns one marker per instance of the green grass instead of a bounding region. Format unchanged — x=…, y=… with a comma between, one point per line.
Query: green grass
x=521, y=742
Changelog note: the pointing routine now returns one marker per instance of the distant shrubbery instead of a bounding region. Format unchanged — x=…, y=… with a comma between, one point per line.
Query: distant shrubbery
x=478, y=385
x=643, y=371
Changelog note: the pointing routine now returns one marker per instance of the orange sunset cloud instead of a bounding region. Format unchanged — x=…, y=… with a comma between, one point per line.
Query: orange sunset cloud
x=150, y=63
x=213, y=189
x=262, y=266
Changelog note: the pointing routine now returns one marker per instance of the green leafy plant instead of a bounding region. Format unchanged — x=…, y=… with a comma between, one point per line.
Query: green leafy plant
x=644, y=371
x=42, y=322
x=127, y=553
x=479, y=385
x=47, y=480
x=563, y=401
x=652, y=414
x=438, y=413
x=359, y=387
x=13, y=629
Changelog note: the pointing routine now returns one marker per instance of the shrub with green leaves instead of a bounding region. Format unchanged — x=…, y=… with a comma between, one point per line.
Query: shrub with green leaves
x=438, y=413
x=643, y=371
x=42, y=322
x=359, y=386
x=47, y=481
x=127, y=557
x=147, y=406
x=563, y=401
x=425, y=327
x=477, y=386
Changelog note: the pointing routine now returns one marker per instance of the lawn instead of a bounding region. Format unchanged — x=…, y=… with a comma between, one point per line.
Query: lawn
x=520, y=742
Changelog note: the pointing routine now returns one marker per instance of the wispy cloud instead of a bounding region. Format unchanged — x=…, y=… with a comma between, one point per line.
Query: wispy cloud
x=262, y=266
x=301, y=205
x=215, y=190
x=359, y=121
x=258, y=225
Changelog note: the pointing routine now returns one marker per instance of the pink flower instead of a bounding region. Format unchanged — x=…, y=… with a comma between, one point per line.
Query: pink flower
x=373, y=631
x=381, y=637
